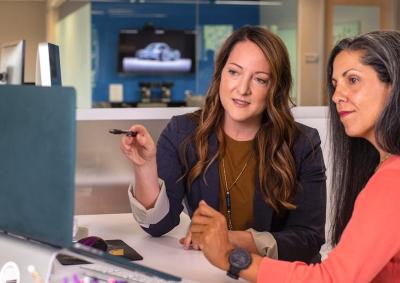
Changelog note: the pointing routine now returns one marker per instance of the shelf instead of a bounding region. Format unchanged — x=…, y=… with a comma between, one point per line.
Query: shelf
x=162, y=113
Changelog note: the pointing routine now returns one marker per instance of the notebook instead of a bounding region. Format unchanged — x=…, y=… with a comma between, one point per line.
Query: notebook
x=37, y=164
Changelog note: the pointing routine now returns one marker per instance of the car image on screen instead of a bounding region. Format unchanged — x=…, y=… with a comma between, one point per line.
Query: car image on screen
x=158, y=51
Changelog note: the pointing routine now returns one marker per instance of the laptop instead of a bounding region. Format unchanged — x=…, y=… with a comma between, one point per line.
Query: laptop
x=37, y=164
x=37, y=179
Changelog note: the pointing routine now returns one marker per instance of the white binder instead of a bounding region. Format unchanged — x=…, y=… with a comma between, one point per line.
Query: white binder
x=48, y=71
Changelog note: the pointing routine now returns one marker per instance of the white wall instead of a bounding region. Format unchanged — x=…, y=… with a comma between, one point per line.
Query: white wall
x=367, y=16
x=284, y=16
x=283, y=21
x=311, y=23
x=74, y=38
x=396, y=14
x=308, y=24
x=24, y=20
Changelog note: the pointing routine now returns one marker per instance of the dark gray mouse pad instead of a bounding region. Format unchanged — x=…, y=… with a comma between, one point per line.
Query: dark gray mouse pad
x=115, y=247
x=120, y=248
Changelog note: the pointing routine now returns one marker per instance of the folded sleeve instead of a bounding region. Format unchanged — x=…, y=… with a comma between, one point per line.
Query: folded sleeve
x=265, y=243
x=146, y=217
x=171, y=170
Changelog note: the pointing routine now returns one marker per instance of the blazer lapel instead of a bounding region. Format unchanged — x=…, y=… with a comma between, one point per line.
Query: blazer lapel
x=262, y=212
x=209, y=190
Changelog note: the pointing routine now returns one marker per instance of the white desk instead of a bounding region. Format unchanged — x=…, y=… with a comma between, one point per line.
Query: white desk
x=164, y=253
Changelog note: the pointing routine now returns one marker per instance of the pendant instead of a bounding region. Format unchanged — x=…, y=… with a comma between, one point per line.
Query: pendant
x=228, y=209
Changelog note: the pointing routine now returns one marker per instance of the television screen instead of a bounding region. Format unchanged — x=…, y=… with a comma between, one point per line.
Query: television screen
x=156, y=51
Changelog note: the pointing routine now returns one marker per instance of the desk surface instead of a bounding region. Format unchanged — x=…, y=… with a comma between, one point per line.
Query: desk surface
x=164, y=253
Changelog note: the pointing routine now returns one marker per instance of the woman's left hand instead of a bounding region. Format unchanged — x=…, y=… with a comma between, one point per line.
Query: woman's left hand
x=187, y=242
x=209, y=231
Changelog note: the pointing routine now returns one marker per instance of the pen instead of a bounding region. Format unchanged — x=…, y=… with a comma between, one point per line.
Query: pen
x=122, y=132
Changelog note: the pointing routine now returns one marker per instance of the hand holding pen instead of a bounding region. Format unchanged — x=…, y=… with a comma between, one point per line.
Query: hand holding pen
x=137, y=144
x=141, y=150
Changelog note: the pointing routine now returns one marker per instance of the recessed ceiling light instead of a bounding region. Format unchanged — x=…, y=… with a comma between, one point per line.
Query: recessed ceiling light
x=251, y=2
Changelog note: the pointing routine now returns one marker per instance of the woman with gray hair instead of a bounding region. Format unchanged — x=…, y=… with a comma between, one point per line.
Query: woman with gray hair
x=364, y=87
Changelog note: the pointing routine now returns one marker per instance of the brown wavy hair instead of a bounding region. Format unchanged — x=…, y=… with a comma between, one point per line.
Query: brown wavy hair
x=273, y=141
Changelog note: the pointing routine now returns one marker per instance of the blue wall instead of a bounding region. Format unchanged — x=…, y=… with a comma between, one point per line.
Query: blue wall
x=105, y=35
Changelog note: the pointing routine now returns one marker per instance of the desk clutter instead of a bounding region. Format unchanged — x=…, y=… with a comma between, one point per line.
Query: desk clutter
x=23, y=260
x=87, y=279
x=113, y=247
x=39, y=229
x=92, y=265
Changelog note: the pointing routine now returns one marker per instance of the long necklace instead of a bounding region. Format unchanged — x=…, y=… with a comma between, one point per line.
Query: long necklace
x=228, y=190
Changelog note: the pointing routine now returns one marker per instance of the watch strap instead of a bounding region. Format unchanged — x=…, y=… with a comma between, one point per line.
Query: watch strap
x=233, y=272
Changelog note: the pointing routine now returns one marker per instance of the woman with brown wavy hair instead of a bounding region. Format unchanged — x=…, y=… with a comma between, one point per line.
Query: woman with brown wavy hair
x=242, y=153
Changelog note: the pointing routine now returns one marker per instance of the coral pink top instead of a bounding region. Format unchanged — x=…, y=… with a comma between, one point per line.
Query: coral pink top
x=369, y=249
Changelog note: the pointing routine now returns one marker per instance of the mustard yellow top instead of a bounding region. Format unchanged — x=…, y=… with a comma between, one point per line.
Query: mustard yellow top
x=237, y=153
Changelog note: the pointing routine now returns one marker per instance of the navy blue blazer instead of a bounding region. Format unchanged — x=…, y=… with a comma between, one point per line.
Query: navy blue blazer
x=299, y=233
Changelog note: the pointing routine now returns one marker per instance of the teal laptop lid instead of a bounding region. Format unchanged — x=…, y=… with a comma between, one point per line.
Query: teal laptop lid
x=37, y=162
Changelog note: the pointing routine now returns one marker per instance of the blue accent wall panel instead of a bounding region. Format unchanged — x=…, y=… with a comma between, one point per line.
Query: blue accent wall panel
x=108, y=19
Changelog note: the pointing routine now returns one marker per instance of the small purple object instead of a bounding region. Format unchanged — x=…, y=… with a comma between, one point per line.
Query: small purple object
x=94, y=242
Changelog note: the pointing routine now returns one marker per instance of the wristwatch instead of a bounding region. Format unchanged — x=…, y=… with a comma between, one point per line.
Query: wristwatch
x=239, y=259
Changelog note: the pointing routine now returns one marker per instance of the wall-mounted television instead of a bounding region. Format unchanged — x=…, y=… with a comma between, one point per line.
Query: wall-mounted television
x=155, y=51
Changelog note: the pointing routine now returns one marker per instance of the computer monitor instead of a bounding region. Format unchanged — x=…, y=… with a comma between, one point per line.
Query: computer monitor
x=37, y=163
x=48, y=70
x=12, y=57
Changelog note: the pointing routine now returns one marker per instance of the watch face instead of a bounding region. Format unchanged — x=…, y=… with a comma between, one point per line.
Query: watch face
x=240, y=258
